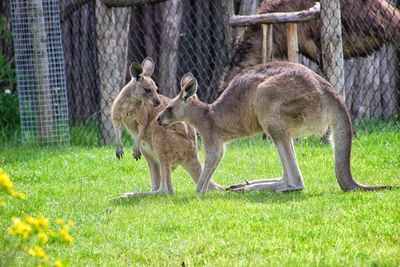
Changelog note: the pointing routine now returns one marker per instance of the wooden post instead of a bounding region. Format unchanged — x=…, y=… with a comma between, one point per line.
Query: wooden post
x=331, y=43
x=292, y=44
x=267, y=44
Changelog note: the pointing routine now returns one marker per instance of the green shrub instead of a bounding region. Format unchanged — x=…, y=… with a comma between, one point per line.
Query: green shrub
x=9, y=111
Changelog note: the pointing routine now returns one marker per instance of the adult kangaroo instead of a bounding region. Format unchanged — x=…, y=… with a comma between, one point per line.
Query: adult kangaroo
x=364, y=31
x=284, y=100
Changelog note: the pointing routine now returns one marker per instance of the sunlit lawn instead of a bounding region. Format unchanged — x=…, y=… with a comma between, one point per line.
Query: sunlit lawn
x=319, y=226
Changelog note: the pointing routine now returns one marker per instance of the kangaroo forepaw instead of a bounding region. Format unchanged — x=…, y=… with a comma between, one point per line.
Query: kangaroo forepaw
x=119, y=154
x=136, y=154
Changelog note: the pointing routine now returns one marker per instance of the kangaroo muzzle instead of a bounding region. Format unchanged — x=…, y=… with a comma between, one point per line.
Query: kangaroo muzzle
x=156, y=102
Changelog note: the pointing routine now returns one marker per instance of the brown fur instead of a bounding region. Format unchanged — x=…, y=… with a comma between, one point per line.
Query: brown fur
x=164, y=148
x=283, y=99
x=366, y=25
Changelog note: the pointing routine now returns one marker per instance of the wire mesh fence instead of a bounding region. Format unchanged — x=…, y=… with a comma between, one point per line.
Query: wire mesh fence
x=100, y=41
x=40, y=71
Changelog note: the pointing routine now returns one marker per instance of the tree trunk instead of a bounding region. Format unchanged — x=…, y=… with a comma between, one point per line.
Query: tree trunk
x=80, y=54
x=331, y=43
x=41, y=70
x=112, y=42
x=247, y=7
x=172, y=16
x=389, y=82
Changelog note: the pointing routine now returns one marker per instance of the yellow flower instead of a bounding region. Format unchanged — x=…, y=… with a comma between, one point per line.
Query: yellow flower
x=20, y=228
x=40, y=253
x=5, y=181
x=53, y=234
x=58, y=263
x=32, y=221
x=43, y=238
x=66, y=237
x=37, y=251
x=60, y=221
x=32, y=252
x=7, y=185
x=43, y=221
x=20, y=195
x=11, y=232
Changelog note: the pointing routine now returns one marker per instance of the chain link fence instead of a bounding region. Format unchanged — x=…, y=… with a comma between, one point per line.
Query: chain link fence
x=100, y=41
x=371, y=42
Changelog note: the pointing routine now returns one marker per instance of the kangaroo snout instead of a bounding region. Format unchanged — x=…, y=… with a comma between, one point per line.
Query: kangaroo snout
x=156, y=102
x=159, y=121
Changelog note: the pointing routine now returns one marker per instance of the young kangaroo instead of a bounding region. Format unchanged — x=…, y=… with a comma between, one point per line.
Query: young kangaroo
x=284, y=100
x=164, y=148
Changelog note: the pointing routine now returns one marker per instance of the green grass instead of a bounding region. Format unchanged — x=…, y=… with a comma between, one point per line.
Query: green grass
x=319, y=226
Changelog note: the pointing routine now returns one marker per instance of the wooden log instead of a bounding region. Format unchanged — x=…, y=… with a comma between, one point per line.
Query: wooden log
x=267, y=45
x=130, y=3
x=275, y=18
x=292, y=43
x=331, y=43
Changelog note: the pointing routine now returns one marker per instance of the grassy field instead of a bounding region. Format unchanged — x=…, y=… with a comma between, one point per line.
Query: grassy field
x=319, y=226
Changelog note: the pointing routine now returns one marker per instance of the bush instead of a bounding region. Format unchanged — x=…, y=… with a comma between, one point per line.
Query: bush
x=9, y=110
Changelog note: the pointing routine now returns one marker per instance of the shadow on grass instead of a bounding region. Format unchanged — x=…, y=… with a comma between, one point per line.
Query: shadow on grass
x=24, y=153
x=211, y=197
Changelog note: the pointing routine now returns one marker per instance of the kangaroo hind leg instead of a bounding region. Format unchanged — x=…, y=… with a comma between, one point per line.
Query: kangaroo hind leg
x=291, y=178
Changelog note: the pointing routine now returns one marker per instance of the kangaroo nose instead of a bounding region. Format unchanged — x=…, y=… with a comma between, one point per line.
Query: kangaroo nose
x=156, y=102
x=159, y=121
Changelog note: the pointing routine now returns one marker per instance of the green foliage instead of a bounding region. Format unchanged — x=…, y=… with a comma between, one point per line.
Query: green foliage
x=9, y=112
x=320, y=226
x=7, y=72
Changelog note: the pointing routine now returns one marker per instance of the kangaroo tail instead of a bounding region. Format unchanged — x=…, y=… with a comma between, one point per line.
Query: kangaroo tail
x=342, y=138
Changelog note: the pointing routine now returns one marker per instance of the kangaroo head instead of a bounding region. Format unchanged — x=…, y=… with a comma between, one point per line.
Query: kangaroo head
x=176, y=110
x=142, y=86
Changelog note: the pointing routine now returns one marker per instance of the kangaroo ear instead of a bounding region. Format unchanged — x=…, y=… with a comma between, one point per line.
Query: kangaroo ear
x=189, y=90
x=186, y=78
x=148, y=66
x=135, y=70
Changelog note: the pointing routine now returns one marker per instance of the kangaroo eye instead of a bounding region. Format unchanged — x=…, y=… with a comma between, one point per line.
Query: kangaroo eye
x=147, y=90
x=169, y=109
